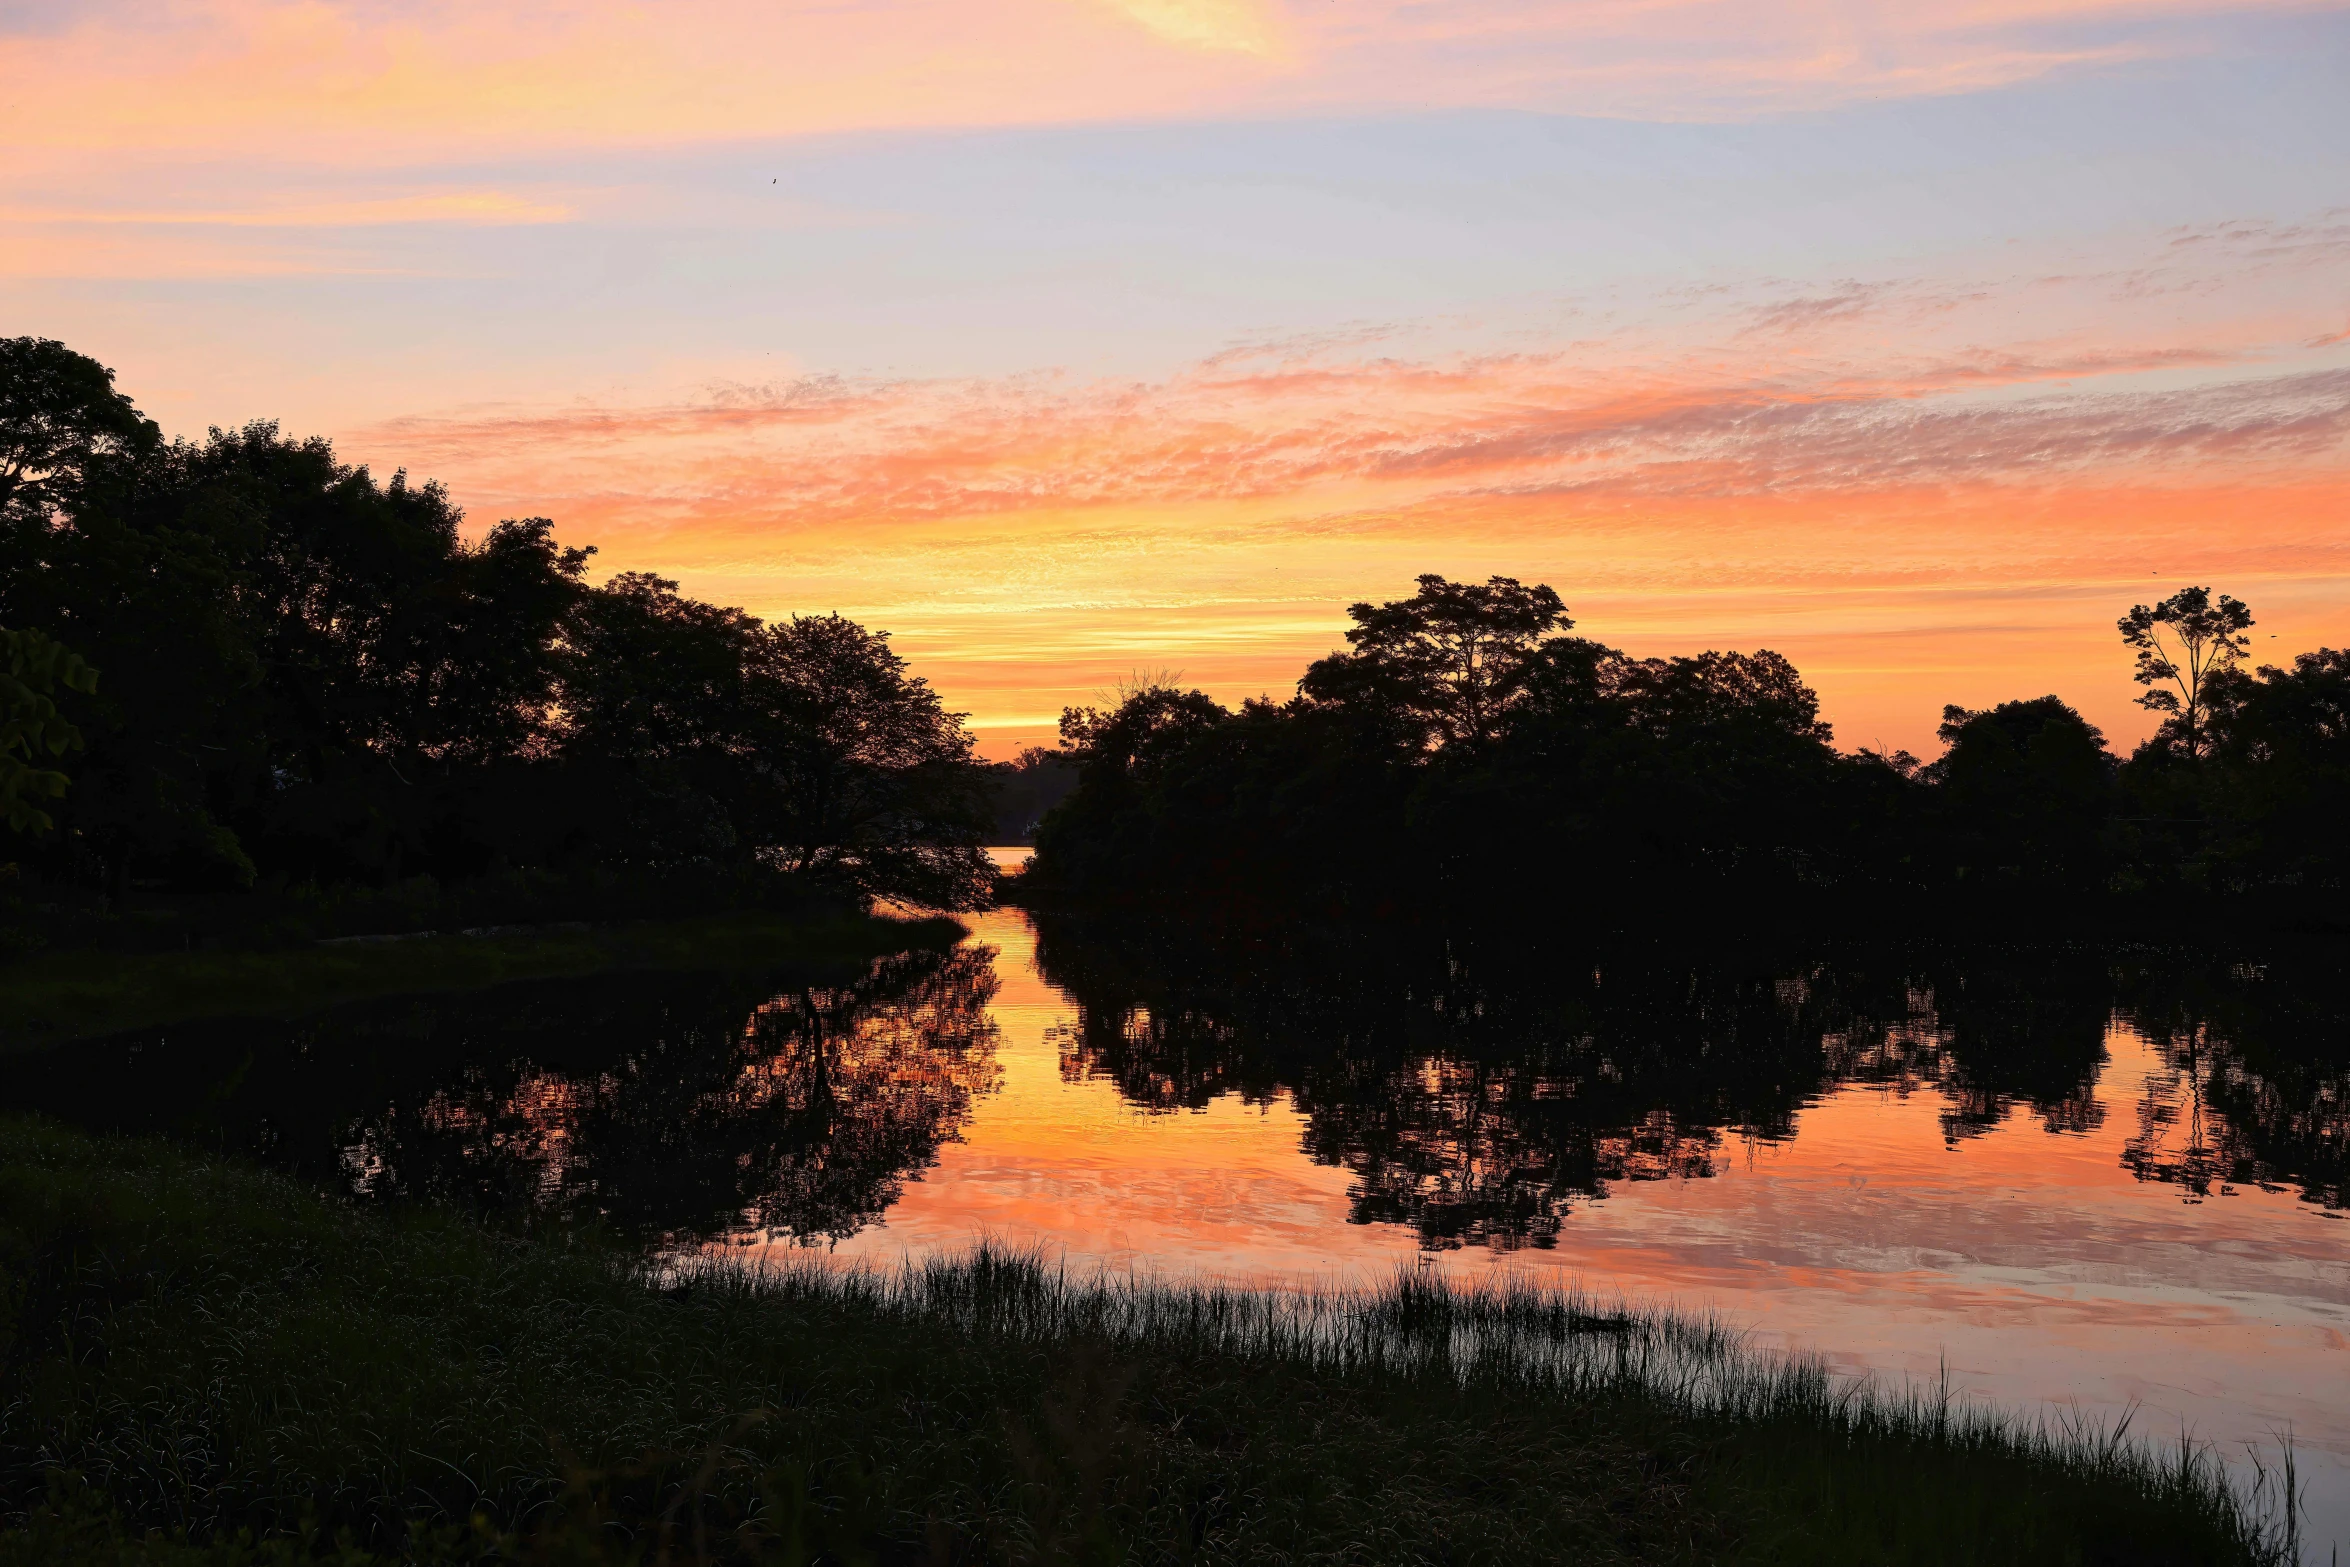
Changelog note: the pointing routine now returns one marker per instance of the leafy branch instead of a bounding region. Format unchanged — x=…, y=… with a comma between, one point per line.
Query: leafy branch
x=33, y=733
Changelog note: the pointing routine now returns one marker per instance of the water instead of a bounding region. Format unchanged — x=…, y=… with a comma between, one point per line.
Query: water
x=2104, y=1181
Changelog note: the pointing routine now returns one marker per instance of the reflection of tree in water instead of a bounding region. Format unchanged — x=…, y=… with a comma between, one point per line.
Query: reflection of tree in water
x=2174, y=1137
x=2254, y=1087
x=1477, y=1091
x=1475, y=1095
x=1988, y=1036
x=805, y=1117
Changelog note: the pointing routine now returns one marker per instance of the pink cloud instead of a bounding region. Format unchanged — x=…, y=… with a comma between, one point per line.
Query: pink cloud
x=355, y=82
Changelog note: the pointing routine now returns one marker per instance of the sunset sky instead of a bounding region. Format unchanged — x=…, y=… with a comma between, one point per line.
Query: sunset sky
x=1074, y=341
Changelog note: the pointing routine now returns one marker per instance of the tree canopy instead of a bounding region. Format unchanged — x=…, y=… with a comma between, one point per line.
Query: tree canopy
x=1466, y=746
x=2188, y=648
x=1446, y=666
x=315, y=675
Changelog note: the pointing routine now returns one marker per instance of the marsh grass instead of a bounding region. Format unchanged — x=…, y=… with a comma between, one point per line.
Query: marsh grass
x=52, y=997
x=209, y=1363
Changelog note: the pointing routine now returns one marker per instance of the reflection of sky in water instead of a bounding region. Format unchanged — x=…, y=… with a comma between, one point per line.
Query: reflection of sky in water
x=1987, y=1164
x=2035, y=1262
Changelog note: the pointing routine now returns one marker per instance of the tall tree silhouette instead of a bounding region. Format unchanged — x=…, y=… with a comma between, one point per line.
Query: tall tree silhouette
x=2188, y=648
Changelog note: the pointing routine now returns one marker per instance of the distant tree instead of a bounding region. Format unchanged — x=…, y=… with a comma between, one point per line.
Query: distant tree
x=867, y=777
x=33, y=733
x=2191, y=646
x=1725, y=761
x=1134, y=766
x=1028, y=786
x=1449, y=663
x=1141, y=734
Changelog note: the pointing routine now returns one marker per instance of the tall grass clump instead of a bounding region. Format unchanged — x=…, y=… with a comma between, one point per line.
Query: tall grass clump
x=208, y=1363
x=1510, y=1336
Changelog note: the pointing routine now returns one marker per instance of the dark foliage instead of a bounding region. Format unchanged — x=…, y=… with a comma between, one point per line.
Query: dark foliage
x=1027, y=787
x=311, y=677
x=1465, y=751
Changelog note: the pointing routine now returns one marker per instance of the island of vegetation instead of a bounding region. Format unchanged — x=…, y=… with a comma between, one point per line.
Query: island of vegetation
x=275, y=733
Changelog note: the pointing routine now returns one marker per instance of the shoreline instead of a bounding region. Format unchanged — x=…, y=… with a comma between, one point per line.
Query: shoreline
x=52, y=998
x=427, y=1389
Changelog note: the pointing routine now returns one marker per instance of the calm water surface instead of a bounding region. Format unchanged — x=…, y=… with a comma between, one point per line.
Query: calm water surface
x=2071, y=1179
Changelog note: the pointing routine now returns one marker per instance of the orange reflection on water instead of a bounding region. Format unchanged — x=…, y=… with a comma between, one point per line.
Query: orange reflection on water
x=1897, y=1230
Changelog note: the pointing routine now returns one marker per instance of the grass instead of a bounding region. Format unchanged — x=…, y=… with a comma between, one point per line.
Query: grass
x=207, y=1363
x=49, y=997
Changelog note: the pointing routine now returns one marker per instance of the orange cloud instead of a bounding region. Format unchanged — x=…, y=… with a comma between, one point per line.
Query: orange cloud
x=1958, y=521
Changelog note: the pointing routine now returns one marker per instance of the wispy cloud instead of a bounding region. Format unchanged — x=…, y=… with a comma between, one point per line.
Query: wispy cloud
x=1884, y=513
x=398, y=77
x=797, y=458
x=471, y=207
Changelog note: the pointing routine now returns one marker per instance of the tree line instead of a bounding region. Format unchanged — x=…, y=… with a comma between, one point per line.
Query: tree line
x=1465, y=744
x=242, y=661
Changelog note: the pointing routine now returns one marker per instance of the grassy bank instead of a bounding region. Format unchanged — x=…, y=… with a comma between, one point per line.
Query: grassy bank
x=209, y=1363
x=48, y=997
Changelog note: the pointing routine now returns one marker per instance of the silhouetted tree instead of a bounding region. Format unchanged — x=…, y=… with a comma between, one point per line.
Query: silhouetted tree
x=865, y=775
x=315, y=676
x=2192, y=646
x=1446, y=665
x=1143, y=733
x=2026, y=788
x=59, y=413
x=2282, y=747
x=1459, y=750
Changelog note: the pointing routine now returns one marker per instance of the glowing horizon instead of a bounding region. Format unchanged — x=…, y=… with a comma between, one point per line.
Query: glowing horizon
x=1071, y=340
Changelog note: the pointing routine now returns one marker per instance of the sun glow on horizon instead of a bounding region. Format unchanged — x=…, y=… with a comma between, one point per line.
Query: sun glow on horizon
x=1077, y=340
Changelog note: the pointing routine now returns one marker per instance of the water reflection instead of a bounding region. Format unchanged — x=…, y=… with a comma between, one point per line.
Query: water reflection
x=668, y=1107
x=2256, y=1087
x=1475, y=1090
x=1479, y=1092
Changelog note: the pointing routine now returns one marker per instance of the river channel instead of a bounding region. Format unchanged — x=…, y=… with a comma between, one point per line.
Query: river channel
x=2074, y=1183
